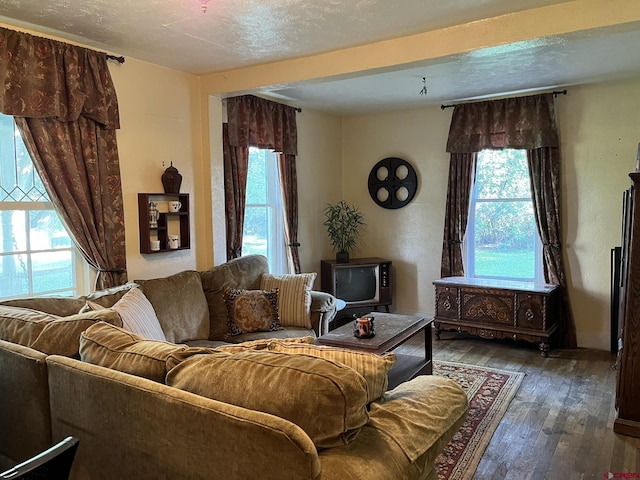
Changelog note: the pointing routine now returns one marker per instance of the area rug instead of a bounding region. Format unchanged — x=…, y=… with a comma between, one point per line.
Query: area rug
x=490, y=392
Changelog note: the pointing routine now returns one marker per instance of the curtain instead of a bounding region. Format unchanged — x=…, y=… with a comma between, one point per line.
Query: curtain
x=461, y=172
x=289, y=183
x=64, y=102
x=256, y=122
x=544, y=171
x=524, y=123
x=236, y=163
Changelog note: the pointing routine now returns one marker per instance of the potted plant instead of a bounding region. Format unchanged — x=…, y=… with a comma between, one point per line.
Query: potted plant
x=343, y=226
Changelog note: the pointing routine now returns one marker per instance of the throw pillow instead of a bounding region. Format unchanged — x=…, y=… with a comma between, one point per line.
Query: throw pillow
x=326, y=399
x=261, y=344
x=294, y=302
x=119, y=349
x=374, y=368
x=251, y=311
x=138, y=315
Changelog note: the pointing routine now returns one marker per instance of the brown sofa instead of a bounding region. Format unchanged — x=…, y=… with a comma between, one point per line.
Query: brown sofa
x=134, y=427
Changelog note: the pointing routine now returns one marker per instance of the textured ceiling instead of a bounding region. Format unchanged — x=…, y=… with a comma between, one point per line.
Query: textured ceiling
x=242, y=33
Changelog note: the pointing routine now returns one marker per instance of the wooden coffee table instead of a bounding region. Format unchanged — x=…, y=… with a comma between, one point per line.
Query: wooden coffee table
x=392, y=330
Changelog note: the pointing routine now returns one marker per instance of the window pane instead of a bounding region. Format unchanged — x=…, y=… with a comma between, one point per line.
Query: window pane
x=52, y=271
x=505, y=235
x=14, y=277
x=257, y=177
x=256, y=231
x=46, y=231
x=13, y=235
x=502, y=174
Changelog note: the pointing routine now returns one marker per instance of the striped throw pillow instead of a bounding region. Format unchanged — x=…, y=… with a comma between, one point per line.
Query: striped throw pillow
x=138, y=315
x=372, y=367
x=294, y=297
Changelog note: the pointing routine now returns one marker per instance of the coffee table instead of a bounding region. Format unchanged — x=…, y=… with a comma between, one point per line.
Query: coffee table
x=392, y=330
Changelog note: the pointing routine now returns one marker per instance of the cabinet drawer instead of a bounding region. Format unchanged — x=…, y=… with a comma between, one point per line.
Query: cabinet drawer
x=530, y=313
x=486, y=306
x=447, y=302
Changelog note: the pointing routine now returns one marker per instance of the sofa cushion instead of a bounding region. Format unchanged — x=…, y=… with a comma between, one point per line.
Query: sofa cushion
x=62, y=336
x=119, y=349
x=48, y=333
x=241, y=273
x=138, y=315
x=251, y=311
x=180, y=305
x=294, y=300
x=374, y=368
x=61, y=306
x=326, y=399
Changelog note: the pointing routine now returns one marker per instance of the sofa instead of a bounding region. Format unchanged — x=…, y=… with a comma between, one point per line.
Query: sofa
x=202, y=403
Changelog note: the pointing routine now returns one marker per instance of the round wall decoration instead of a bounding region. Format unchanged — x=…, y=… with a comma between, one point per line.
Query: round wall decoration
x=392, y=183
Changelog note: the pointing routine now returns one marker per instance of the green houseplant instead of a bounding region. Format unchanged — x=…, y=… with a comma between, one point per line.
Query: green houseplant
x=343, y=227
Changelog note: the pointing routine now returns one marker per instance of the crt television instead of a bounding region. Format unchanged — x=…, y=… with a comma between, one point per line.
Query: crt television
x=361, y=282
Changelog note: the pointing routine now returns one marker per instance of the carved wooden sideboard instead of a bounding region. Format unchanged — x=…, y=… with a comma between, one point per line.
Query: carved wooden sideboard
x=498, y=309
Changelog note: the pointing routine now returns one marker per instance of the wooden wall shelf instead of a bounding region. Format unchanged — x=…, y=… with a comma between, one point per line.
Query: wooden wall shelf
x=169, y=223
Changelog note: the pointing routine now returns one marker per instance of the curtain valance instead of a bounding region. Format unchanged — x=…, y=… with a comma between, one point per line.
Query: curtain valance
x=43, y=78
x=520, y=122
x=257, y=122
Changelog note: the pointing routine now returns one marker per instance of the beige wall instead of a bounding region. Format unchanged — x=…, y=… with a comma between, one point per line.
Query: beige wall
x=160, y=124
x=598, y=126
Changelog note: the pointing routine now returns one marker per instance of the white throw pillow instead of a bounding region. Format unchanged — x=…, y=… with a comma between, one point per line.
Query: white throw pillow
x=294, y=297
x=138, y=315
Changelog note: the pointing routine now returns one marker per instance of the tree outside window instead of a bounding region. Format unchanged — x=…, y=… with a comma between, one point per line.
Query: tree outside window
x=502, y=240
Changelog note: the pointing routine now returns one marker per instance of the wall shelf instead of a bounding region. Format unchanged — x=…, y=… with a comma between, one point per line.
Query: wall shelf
x=169, y=223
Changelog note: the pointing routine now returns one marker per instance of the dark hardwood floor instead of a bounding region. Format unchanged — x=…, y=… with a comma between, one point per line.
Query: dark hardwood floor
x=560, y=423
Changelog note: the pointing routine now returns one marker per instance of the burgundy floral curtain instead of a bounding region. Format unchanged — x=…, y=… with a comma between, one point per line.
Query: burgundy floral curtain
x=461, y=173
x=289, y=183
x=261, y=123
x=236, y=162
x=64, y=102
x=525, y=123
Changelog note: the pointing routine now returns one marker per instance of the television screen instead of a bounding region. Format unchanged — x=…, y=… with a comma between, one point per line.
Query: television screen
x=357, y=283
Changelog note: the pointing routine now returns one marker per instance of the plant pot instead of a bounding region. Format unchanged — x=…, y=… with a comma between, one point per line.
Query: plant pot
x=342, y=257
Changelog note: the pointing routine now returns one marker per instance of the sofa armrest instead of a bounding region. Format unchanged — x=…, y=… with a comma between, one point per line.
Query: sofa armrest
x=323, y=309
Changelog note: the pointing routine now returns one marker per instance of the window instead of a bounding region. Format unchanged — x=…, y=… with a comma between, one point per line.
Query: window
x=502, y=239
x=37, y=257
x=263, y=227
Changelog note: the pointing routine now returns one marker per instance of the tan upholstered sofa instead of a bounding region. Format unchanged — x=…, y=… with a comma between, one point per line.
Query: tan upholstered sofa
x=196, y=405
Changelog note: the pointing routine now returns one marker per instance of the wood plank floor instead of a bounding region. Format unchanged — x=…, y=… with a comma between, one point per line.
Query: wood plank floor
x=560, y=424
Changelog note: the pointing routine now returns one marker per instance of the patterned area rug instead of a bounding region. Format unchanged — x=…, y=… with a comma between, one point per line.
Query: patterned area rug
x=490, y=392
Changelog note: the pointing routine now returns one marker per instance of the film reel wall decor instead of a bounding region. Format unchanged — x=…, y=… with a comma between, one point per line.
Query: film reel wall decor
x=392, y=183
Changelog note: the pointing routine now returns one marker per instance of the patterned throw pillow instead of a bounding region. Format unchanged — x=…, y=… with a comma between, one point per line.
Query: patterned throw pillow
x=294, y=301
x=251, y=311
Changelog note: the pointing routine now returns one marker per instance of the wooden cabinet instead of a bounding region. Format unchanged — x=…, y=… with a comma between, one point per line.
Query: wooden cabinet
x=628, y=380
x=498, y=309
x=169, y=223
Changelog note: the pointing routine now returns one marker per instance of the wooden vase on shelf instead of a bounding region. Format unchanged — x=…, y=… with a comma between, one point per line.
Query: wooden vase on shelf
x=171, y=180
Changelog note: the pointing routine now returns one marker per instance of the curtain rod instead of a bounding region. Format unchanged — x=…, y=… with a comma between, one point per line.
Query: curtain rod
x=113, y=57
x=555, y=94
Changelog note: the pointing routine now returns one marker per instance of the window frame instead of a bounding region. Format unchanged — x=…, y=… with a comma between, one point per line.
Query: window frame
x=468, y=250
x=276, y=248
x=79, y=268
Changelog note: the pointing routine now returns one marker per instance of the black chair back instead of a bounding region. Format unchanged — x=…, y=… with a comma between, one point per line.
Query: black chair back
x=52, y=464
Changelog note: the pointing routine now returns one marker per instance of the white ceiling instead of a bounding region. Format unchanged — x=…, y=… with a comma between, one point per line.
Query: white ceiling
x=241, y=33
